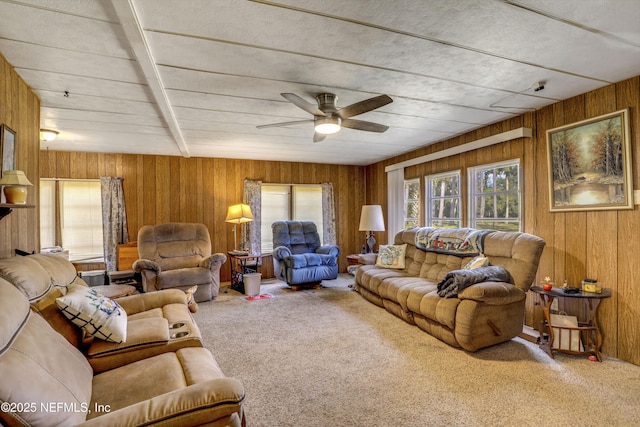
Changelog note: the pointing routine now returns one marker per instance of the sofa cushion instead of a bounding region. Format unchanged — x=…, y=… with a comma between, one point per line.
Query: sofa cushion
x=27, y=275
x=38, y=365
x=184, y=277
x=96, y=314
x=138, y=381
x=391, y=256
x=476, y=262
x=309, y=260
x=62, y=272
x=140, y=333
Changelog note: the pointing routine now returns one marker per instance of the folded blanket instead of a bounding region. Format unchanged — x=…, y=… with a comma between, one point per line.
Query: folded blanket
x=457, y=280
x=452, y=241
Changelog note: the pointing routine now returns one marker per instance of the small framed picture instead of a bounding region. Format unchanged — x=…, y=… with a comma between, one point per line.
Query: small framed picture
x=8, y=148
x=590, y=164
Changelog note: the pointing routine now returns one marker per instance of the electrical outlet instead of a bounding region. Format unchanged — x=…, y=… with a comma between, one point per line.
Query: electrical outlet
x=636, y=197
x=554, y=304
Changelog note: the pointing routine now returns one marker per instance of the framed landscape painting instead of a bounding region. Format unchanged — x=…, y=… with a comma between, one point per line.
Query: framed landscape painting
x=7, y=148
x=589, y=164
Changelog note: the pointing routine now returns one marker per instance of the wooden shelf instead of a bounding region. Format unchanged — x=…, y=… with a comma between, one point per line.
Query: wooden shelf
x=7, y=208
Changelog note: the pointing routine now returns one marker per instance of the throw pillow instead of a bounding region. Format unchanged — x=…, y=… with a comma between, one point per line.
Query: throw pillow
x=477, y=262
x=99, y=316
x=391, y=256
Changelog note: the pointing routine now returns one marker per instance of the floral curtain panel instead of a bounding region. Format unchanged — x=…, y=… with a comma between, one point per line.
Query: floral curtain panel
x=328, y=214
x=114, y=219
x=250, y=235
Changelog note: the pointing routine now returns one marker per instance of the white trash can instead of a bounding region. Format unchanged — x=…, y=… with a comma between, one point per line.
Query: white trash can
x=252, y=283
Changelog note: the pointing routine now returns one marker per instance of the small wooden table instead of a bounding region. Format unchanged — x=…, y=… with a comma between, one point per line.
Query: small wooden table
x=114, y=291
x=588, y=328
x=240, y=264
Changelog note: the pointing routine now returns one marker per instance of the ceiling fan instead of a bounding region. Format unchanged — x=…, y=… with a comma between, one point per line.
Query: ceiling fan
x=329, y=119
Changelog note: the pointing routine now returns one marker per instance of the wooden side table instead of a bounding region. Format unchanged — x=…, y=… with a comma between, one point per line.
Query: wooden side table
x=587, y=328
x=241, y=264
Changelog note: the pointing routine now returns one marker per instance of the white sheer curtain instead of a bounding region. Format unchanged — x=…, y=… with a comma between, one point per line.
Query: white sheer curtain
x=251, y=231
x=395, y=202
x=114, y=219
x=328, y=214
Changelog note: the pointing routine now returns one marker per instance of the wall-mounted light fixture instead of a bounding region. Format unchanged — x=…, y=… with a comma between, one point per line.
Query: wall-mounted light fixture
x=48, y=135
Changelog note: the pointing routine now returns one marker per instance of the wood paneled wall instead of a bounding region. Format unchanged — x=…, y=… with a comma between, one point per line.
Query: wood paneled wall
x=20, y=111
x=161, y=189
x=596, y=244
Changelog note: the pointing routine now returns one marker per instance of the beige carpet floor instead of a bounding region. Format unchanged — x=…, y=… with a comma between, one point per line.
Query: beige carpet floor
x=327, y=357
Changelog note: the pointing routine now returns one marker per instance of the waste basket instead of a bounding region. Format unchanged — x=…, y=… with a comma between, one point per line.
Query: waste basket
x=252, y=283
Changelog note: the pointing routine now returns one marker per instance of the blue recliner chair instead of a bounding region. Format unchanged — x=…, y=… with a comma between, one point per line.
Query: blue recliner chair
x=298, y=255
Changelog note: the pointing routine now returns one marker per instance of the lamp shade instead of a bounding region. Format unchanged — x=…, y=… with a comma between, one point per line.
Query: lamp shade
x=14, y=178
x=371, y=218
x=237, y=214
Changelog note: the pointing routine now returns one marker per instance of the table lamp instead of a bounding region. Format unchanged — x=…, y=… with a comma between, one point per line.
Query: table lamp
x=15, y=187
x=238, y=214
x=371, y=220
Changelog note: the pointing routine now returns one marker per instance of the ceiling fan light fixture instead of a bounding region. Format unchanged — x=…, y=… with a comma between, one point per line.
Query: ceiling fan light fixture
x=327, y=125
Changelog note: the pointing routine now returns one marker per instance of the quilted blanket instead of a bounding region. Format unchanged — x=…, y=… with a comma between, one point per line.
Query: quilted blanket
x=454, y=241
x=457, y=280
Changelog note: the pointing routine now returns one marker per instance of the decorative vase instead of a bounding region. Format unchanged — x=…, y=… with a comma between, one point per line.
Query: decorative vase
x=15, y=194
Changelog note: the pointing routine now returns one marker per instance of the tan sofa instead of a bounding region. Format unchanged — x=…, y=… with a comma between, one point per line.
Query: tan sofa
x=481, y=315
x=150, y=379
x=44, y=277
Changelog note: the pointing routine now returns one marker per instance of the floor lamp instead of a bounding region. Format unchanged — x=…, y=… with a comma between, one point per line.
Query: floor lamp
x=238, y=214
x=371, y=220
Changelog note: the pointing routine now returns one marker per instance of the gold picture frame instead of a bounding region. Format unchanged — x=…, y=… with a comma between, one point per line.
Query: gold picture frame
x=589, y=164
x=7, y=148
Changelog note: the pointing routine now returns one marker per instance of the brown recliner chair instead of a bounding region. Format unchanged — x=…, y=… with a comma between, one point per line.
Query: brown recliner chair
x=178, y=255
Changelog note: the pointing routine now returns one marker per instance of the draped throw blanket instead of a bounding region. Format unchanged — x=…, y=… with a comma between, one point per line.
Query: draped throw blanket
x=454, y=241
x=457, y=280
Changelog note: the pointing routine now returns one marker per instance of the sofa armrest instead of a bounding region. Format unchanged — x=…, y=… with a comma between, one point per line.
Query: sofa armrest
x=213, y=262
x=146, y=264
x=493, y=293
x=142, y=302
x=281, y=252
x=332, y=250
x=197, y=404
x=367, y=259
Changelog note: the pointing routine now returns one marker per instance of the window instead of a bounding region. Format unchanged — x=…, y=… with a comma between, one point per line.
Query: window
x=411, y=203
x=282, y=202
x=71, y=217
x=443, y=200
x=494, y=193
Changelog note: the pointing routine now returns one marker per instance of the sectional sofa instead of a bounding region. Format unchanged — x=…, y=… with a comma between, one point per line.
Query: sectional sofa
x=428, y=285
x=54, y=373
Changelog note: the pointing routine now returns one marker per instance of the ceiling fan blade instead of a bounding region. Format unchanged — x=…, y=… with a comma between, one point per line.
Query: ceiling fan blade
x=364, y=106
x=275, y=125
x=301, y=103
x=362, y=125
x=317, y=137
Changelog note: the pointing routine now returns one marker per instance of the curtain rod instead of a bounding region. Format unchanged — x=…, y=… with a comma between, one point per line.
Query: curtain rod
x=71, y=179
x=522, y=132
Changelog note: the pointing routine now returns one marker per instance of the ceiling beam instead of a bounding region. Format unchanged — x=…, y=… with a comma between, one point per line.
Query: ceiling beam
x=126, y=11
